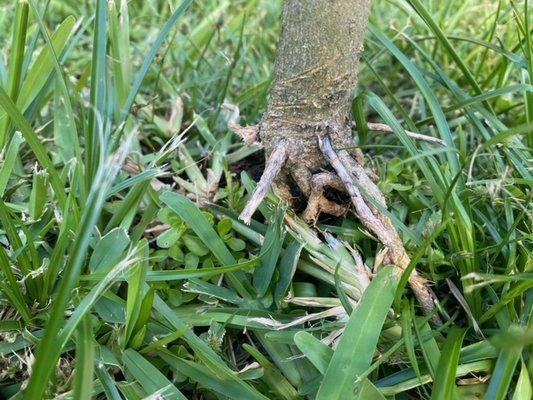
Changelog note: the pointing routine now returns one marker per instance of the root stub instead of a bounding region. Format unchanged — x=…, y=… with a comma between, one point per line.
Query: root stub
x=350, y=177
x=272, y=169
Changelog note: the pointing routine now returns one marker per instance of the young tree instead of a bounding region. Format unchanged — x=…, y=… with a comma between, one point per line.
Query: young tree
x=306, y=130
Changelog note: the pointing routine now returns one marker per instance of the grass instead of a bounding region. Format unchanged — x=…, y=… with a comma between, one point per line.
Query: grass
x=118, y=279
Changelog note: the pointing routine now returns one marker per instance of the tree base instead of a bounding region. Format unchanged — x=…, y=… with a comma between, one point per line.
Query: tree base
x=320, y=168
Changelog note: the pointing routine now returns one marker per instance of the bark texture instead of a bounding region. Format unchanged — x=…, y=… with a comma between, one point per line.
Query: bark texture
x=316, y=71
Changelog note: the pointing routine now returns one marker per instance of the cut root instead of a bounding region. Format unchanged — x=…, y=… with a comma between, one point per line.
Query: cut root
x=362, y=190
x=383, y=128
x=272, y=169
x=248, y=134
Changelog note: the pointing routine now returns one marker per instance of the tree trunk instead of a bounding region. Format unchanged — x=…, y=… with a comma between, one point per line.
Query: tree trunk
x=316, y=72
x=306, y=130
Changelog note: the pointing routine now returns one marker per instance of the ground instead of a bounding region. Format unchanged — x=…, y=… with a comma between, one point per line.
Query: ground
x=122, y=254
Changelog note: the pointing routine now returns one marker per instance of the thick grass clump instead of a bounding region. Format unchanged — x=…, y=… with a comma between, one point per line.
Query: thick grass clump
x=125, y=272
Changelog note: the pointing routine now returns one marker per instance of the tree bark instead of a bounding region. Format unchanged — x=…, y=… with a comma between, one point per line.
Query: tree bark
x=316, y=72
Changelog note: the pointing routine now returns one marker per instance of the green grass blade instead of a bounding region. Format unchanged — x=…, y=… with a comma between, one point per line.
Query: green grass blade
x=462, y=231
x=23, y=257
x=71, y=131
x=50, y=347
x=273, y=240
x=403, y=385
x=202, y=350
x=38, y=194
x=58, y=253
x=443, y=40
x=107, y=382
x=523, y=388
x=428, y=344
x=444, y=386
x=18, y=44
x=528, y=49
x=180, y=275
x=39, y=73
x=91, y=298
x=119, y=41
x=11, y=288
x=275, y=380
x=97, y=110
x=429, y=95
x=190, y=213
x=153, y=382
x=65, y=135
x=85, y=349
x=109, y=250
x=357, y=346
x=316, y=351
x=369, y=392
x=10, y=157
x=35, y=144
x=407, y=334
x=287, y=268
x=135, y=295
x=199, y=374
x=504, y=370
x=139, y=78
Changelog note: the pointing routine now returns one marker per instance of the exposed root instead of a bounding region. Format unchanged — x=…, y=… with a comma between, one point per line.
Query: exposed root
x=303, y=177
x=283, y=190
x=248, y=134
x=350, y=177
x=383, y=128
x=317, y=202
x=272, y=169
x=375, y=220
x=362, y=209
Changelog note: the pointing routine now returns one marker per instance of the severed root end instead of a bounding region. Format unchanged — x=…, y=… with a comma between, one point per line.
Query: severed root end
x=248, y=134
x=368, y=199
x=425, y=296
x=272, y=169
x=383, y=128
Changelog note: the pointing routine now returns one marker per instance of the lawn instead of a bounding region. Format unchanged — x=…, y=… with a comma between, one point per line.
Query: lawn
x=125, y=272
